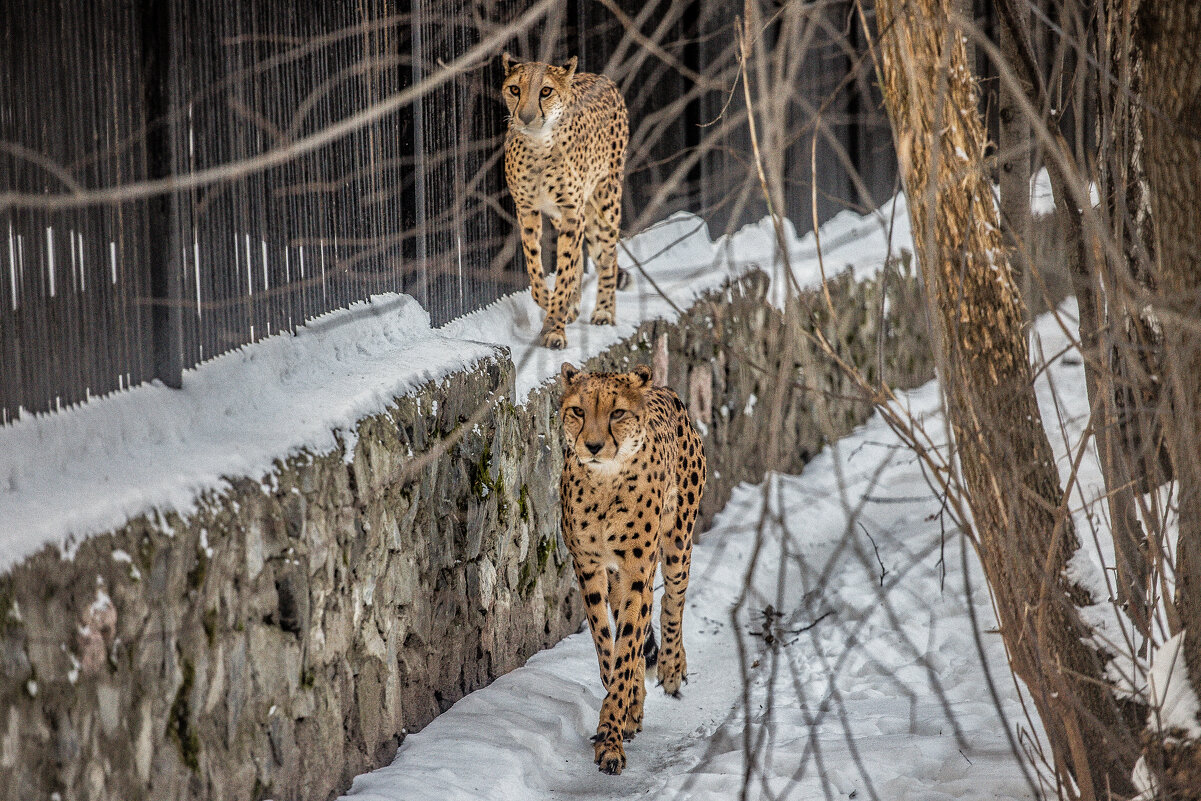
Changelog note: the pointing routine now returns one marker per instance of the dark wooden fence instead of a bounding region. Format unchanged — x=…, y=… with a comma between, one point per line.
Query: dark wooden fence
x=109, y=93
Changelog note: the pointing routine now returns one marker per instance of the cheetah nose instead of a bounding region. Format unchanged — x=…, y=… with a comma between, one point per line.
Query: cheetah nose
x=528, y=115
x=595, y=447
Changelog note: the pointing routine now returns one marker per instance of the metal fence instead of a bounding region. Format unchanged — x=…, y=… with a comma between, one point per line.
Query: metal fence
x=105, y=94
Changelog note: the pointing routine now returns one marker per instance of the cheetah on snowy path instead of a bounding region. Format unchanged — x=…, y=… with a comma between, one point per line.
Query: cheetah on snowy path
x=633, y=475
x=565, y=154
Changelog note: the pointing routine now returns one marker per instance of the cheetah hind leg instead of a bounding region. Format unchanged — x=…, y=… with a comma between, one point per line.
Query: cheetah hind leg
x=623, y=276
x=643, y=668
x=571, y=312
x=602, y=232
x=676, y=560
x=623, y=279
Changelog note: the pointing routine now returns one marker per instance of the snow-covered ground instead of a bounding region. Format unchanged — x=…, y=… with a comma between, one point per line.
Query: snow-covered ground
x=88, y=469
x=884, y=680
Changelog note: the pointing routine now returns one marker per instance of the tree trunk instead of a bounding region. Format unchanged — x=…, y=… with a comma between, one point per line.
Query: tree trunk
x=1138, y=353
x=1101, y=316
x=1023, y=534
x=1171, y=113
x=1015, y=139
x=1123, y=386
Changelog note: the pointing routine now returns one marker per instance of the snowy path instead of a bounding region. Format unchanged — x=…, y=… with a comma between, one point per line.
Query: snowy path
x=884, y=696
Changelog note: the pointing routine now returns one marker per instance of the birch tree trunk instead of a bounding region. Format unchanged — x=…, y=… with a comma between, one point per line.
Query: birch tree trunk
x=1023, y=534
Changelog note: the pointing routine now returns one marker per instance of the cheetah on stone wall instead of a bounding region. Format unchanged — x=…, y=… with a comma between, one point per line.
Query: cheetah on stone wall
x=564, y=157
x=633, y=474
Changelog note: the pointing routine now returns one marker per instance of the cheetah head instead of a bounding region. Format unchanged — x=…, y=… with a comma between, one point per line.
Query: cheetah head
x=604, y=415
x=536, y=93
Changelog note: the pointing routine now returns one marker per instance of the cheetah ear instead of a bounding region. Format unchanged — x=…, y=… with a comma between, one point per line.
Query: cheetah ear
x=507, y=62
x=643, y=375
x=569, y=372
x=569, y=68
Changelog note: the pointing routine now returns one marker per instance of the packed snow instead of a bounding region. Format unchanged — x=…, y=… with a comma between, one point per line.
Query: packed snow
x=1174, y=706
x=884, y=677
x=1173, y=700
x=90, y=468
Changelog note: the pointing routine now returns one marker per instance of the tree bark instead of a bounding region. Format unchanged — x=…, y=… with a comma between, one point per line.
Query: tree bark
x=1023, y=534
x=1015, y=140
x=1171, y=114
x=1082, y=249
x=1138, y=352
x=1127, y=397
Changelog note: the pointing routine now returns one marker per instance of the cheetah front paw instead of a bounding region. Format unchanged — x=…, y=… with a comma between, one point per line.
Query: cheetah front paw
x=631, y=729
x=553, y=339
x=673, y=673
x=603, y=317
x=610, y=756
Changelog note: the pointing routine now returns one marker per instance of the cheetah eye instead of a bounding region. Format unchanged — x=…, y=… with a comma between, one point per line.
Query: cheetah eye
x=514, y=90
x=546, y=90
x=618, y=414
x=576, y=410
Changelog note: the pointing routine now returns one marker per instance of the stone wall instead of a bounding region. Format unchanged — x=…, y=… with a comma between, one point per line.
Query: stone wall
x=284, y=637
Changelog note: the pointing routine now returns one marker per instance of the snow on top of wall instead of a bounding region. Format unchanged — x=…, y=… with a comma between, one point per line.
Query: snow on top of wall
x=72, y=474
x=89, y=469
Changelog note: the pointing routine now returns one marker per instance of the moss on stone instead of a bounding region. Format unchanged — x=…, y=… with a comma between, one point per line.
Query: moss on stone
x=546, y=547
x=523, y=503
x=481, y=483
x=485, y=485
x=534, y=566
x=199, y=570
x=9, y=619
x=261, y=791
x=146, y=550
x=210, y=626
x=179, y=727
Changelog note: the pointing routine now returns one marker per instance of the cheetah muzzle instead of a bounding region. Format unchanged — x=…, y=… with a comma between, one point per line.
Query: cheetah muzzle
x=565, y=156
x=633, y=475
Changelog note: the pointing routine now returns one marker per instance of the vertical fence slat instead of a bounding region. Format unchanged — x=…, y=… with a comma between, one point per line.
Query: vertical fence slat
x=161, y=242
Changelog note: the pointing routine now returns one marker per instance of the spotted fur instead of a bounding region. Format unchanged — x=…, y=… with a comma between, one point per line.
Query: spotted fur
x=633, y=475
x=565, y=156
